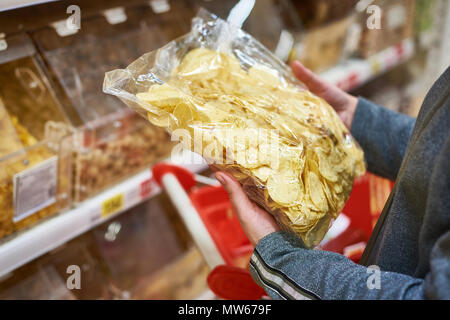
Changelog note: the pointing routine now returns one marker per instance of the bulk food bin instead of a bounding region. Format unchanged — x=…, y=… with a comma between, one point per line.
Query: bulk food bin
x=397, y=21
x=111, y=142
x=272, y=22
x=149, y=255
x=143, y=253
x=323, y=47
x=35, y=143
x=330, y=29
x=316, y=13
x=35, y=282
x=47, y=277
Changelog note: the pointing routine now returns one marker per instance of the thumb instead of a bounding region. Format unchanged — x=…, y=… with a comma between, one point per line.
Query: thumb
x=314, y=83
x=238, y=198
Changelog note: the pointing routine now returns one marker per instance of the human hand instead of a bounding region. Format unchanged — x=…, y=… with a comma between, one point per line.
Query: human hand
x=255, y=222
x=344, y=103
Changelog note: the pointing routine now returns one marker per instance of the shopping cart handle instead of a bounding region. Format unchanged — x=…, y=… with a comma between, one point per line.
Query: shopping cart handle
x=175, y=181
x=184, y=176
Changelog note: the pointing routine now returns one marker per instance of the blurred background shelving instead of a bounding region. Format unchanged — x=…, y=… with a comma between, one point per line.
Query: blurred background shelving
x=101, y=210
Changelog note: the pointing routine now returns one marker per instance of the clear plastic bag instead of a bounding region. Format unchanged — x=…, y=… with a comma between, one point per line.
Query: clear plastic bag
x=228, y=98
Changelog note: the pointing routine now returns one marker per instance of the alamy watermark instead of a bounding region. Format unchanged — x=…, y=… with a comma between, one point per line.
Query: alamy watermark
x=248, y=147
x=374, y=11
x=73, y=22
x=374, y=279
x=74, y=279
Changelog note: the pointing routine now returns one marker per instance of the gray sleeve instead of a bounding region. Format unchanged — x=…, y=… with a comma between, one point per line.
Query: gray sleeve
x=437, y=282
x=383, y=135
x=286, y=270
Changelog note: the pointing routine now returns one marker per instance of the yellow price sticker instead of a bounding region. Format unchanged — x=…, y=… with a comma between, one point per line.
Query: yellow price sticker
x=375, y=65
x=112, y=205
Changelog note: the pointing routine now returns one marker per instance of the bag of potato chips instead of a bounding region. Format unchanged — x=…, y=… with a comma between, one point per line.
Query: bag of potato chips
x=228, y=98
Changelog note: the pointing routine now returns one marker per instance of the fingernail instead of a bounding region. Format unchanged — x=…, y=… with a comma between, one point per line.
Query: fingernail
x=220, y=178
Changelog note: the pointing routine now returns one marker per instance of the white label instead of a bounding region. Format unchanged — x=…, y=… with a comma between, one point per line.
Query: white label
x=62, y=28
x=115, y=15
x=3, y=44
x=353, y=39
x=396, y=17
x=160, y=6
x=35, y=188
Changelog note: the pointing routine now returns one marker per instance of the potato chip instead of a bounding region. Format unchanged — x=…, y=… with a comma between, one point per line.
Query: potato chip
x=284, y=188
x=262, y=173
x=325, y=167
x=163, y=96
x=316, y=192
x=337, y=188
x=329, y=196
x=159, y=120
x=183, y=115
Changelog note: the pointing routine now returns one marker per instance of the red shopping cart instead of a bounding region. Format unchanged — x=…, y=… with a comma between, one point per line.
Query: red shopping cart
x=362, y=210
x=208, y=215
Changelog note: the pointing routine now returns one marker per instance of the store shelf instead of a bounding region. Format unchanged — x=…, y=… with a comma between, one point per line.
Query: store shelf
x=14, y=4
x=51, y=233
x=353, y=73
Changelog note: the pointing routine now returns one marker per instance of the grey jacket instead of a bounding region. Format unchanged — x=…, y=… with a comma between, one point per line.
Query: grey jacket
x=408, y=255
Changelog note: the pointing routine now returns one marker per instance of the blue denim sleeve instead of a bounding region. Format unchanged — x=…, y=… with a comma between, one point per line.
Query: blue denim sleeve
x=383, y=135
x=286, y=270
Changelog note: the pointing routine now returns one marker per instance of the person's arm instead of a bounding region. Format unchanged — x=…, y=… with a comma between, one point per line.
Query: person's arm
x=287, y=271
x=383, y=135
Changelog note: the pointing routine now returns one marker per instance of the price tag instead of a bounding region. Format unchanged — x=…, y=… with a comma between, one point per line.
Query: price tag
x=35, y=188
x=396, y=17
x=375, y=65
x=160, y=6
x=115, y=15
x=146, y=188
x=62, y=28
x=400, y=50
x=112, y=205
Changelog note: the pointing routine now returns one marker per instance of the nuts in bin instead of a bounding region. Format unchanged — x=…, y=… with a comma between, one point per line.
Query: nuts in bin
x=110, y=161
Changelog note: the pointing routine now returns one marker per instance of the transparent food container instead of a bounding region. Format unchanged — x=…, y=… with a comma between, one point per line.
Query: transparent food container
x=115, y=147
x=315, y=13
x=322, y=47
x=35, y=143
x=52, y=275
x=272, y=22
x=35, y=282
x=396, y=23
x=144, y=253
x=112, y=143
